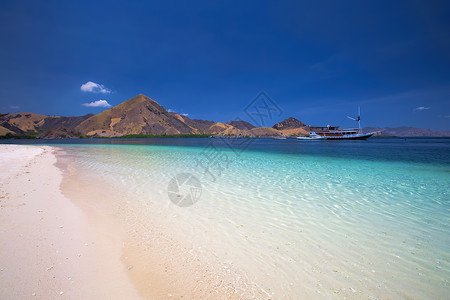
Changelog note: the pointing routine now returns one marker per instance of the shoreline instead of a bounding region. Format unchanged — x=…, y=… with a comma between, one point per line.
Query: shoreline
x=49, y=248
x=61, y=243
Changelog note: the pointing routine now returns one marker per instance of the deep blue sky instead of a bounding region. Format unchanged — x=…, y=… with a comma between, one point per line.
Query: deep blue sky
x=317, y=59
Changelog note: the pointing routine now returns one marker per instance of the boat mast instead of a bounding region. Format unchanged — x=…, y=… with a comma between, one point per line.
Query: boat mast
x=359, y=120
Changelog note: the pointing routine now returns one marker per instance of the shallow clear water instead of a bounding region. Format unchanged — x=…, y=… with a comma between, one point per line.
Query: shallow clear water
x=353, y=219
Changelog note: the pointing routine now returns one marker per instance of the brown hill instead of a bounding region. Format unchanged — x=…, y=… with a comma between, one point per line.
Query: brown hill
x=223, y=129
x=63, y=122
x=138, y=115
x=21, y=123
x=263, y=131
x=200, y=125
x=242, y=125
x=58, y=133
x=303, y=131
x=289, y=123
x=31, y=123
x=4, y=131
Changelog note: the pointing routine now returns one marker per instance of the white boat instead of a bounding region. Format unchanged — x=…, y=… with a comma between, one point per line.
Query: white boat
x=279, y=138
x=336, y=133
x=312, y=136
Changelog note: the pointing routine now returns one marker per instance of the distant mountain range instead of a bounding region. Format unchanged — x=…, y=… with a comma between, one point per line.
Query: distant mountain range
x=405, y=131
x=141, y=115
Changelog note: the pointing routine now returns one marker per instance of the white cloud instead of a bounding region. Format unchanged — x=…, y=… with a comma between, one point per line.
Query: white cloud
x=172, y=111
x=98, y=103
x=94, y=88
x=420, y=108
x=14, y=106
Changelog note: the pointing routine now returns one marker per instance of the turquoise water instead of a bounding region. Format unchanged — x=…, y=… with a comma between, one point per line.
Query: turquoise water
x=355, y=219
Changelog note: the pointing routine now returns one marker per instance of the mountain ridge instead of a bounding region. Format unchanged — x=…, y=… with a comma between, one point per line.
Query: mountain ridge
x=141, y=115
x=406, y=131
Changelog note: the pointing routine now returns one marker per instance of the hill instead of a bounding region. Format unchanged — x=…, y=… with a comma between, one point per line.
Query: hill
x=197, y=124
x=63, y=122
x=138, y=115
x=34, y=124
x=291, y=127
x=242, y=125
x=289, y=123
x=4, y=131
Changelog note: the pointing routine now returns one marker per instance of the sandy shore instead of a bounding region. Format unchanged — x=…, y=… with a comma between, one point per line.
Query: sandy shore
x=67, y=233
x=49, y=247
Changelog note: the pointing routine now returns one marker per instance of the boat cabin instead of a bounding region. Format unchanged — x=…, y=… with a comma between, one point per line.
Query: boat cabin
x=330, y=131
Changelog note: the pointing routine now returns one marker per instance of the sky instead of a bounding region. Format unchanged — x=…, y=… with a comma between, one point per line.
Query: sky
x=316, y=60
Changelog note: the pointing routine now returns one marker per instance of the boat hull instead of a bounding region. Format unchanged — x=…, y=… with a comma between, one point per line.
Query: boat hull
x=311, y=138
x=352, y=137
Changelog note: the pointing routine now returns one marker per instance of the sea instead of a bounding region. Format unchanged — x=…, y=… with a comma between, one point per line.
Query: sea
x=285, y=219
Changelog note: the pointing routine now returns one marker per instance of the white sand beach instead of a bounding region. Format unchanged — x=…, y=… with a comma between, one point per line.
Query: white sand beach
x=62, y=236
x=48, y=247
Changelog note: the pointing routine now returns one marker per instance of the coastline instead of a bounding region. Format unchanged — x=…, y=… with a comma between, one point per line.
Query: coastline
x=49, y=247
x=56, y=241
